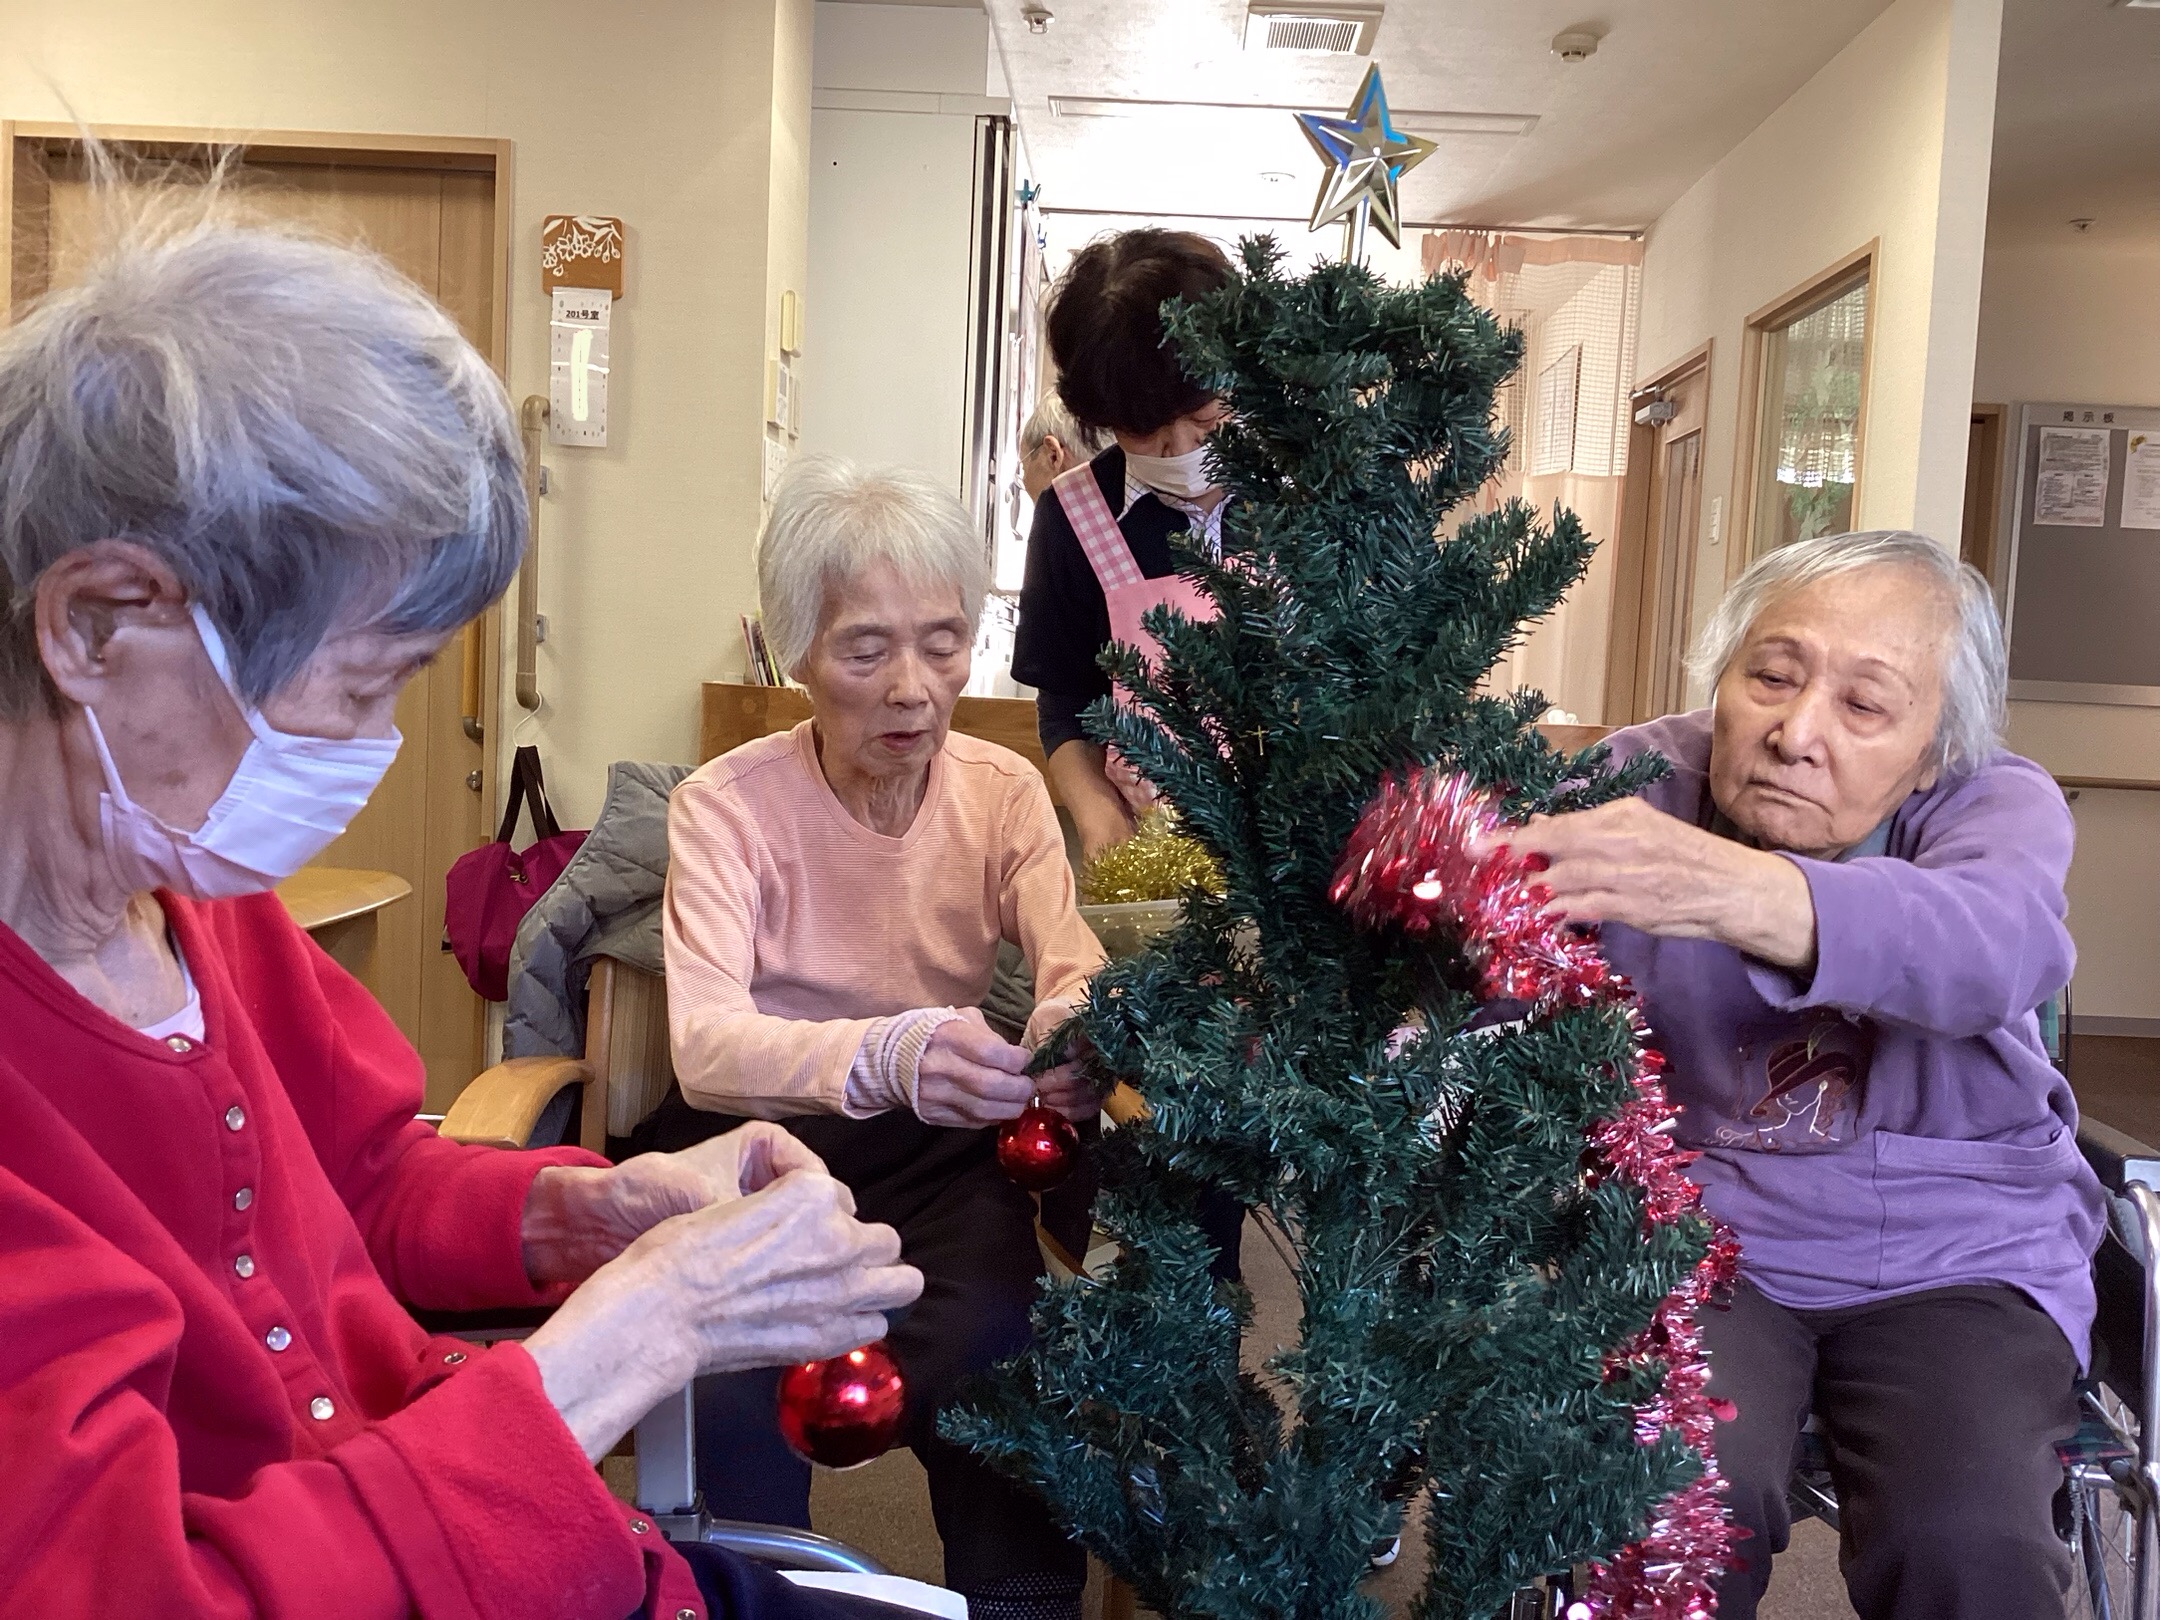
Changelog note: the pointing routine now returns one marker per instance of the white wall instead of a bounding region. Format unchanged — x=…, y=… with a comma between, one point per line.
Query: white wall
x=2073, y=319
x=1889, y=143
x=682, y=117
x=896, y=91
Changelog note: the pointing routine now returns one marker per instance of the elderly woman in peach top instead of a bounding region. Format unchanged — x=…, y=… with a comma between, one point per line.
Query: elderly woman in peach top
x=836, y=899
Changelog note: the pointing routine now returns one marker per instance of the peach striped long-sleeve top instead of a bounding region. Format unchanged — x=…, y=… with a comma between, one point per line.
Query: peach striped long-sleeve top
x=794, y=933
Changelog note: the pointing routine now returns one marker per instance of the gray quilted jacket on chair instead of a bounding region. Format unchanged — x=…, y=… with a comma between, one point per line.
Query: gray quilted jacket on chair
x=605, y=903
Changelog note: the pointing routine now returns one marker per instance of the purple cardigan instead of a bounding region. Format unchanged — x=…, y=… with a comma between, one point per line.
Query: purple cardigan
x=1891, y=1123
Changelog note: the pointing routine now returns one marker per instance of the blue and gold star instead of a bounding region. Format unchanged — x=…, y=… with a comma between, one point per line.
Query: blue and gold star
x=1366, y=156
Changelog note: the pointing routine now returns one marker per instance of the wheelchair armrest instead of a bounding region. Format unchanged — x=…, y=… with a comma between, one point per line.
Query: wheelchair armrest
x=2109, y=1150
x=501, y=1107
x=786, y=1548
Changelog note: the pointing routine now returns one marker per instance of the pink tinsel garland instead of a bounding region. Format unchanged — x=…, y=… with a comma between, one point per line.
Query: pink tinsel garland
x=1423, y=856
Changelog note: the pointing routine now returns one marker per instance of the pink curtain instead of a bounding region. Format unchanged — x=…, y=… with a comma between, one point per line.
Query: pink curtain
x=1492, y=254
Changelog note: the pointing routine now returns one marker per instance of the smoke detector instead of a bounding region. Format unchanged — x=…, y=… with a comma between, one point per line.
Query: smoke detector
x=1575, y=45
x=1037, y=18
x=2082, y=224
x=1318, y=27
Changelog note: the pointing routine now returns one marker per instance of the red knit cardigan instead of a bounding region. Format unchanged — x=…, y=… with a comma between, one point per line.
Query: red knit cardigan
x=212, y=1402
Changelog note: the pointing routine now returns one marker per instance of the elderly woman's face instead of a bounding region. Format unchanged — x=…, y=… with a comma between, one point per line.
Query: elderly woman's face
x=118, y=639
x=1041, y=465
x=1826, y=717
x=890, y=658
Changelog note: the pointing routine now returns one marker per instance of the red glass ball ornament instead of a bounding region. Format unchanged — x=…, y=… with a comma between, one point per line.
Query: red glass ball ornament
x=843, y=1412
x=1039, y=1149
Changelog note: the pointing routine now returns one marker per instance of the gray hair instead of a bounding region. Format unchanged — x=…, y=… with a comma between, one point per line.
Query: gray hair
x=831, y=519
x=1974, y=667
x=296, y=430
x=1051, y=420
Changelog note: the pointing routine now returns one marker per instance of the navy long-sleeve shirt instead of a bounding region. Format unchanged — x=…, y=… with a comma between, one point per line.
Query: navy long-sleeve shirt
x=1064, y=622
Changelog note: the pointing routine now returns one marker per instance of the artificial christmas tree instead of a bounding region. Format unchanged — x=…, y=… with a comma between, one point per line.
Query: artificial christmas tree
x=1495, y=1253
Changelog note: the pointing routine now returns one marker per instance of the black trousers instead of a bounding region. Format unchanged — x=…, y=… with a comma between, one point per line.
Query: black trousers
x=1940, y=1411
x=972, y=1234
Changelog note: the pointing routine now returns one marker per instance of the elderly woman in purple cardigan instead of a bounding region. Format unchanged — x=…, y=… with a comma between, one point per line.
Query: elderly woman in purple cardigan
x=1842, y=908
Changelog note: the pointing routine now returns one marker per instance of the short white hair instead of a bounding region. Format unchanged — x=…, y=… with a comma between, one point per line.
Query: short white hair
x=1051, y=420
x=1974, y=666
x=832, y=519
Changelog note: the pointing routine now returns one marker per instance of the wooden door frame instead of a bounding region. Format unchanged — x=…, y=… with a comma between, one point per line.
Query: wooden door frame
x=1861, y=267
x=1631, y=544
x=23, y=200
x=1994, y=420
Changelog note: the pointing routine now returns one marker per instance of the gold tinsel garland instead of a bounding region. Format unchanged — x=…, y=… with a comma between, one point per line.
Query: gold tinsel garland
x=1157, y=863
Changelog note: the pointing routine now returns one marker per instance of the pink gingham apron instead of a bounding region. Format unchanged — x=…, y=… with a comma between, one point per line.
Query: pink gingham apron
x=1127, y=593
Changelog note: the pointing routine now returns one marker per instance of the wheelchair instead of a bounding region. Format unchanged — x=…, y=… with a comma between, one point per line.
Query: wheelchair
x=2108, y=1511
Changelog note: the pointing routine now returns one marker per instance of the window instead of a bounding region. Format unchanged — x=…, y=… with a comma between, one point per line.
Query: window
x=1557, y=387
x=1811, y=359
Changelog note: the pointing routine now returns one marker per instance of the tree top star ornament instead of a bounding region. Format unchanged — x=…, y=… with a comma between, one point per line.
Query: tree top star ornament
x=1366, y=155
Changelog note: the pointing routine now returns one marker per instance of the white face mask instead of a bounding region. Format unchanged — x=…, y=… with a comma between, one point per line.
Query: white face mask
x=288, y=798
x=1183, y=476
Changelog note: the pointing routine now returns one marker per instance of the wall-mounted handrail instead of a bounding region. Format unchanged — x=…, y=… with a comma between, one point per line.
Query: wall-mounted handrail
x=2120, y=784
x=470, y=684
x=532, y=417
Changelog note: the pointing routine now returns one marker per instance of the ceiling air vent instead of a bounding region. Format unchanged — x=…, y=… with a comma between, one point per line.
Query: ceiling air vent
x=1330, y=30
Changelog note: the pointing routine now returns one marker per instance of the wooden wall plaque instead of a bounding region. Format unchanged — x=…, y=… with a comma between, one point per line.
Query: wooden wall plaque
x=581, y=250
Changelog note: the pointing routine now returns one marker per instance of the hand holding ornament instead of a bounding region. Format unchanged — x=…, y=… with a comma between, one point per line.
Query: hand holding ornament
x=576, y=1219
x=1065, y=1085
x=968, y=1077
x=780, y=1275
x=1627, y=862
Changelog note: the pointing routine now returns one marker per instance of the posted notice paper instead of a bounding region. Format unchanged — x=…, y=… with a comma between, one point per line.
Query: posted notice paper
x=2141, y=482
x=2073, y=483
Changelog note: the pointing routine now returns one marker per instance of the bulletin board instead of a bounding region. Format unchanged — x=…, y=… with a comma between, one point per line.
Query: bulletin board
x=2083, y=606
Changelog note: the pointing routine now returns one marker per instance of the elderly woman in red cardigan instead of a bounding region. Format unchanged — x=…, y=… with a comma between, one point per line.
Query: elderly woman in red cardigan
x=249, y=484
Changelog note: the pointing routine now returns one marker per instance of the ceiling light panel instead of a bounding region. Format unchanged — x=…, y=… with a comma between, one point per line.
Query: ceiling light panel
x=1412, y=119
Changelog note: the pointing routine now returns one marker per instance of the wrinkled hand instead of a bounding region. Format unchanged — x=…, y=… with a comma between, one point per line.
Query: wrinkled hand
x=1626, y=862
x=577, y=1219
x=1140, y=795
x=775, y=1276
x=966, y=1076
x=1063, y=1087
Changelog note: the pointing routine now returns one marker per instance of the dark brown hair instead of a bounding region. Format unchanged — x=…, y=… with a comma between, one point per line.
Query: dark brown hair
x=1115, y=368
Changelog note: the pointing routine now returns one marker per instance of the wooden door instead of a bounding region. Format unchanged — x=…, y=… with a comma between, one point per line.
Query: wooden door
x=1654, y=580
x=437, y=225
x=1983, y=478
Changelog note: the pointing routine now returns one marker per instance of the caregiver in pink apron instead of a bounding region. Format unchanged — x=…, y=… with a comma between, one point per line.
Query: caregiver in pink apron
x=1099, y=551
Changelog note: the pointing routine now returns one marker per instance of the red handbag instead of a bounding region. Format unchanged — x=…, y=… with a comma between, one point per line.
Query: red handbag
x=489, y=890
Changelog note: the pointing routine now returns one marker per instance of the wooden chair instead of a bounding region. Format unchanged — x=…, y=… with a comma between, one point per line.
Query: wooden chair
x=625, y=1072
